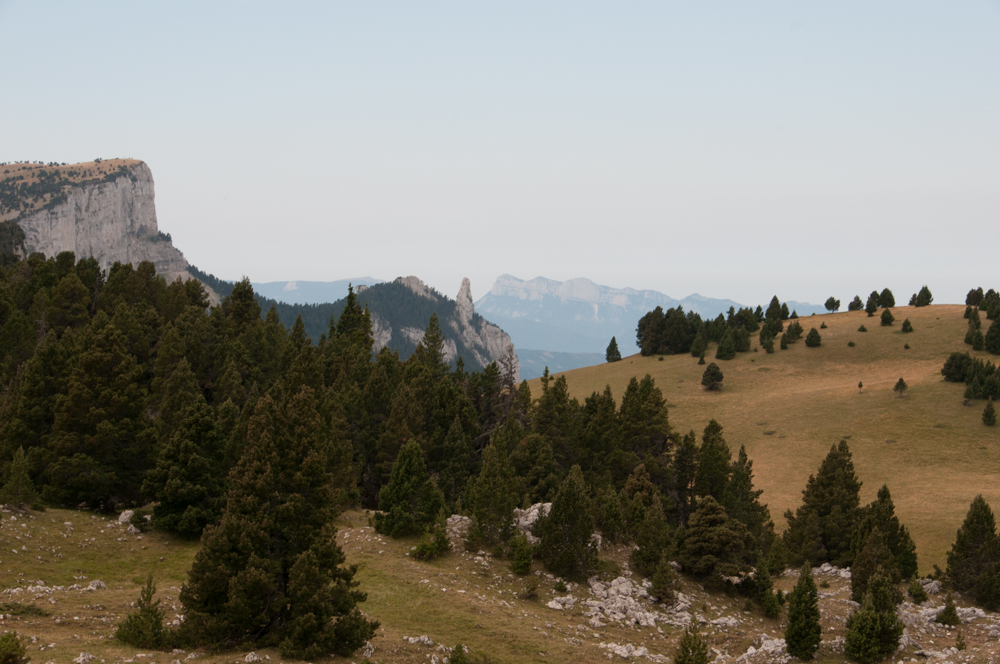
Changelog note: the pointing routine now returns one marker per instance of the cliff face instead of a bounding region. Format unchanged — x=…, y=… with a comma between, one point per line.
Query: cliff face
x=466, y=332
x=110, y=221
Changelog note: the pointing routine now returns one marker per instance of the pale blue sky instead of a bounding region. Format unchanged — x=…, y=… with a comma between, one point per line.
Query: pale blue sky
x=734, y=149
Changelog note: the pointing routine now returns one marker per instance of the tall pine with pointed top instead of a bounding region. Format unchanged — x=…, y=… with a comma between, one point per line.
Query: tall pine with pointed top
x=975, y=547
x=410, y=502
x=612, y=354
x=881, y=514
x=802, y=634
x=18, y=489
x=566, y=547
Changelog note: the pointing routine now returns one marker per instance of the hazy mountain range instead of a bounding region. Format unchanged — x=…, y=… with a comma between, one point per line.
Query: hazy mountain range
x=310, y=292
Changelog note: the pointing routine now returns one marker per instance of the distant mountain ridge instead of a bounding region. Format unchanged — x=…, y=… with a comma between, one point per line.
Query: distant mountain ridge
x=579, y=316
x=310, y=292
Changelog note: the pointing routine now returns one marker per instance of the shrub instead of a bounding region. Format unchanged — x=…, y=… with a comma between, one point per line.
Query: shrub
x=813, y=339
x=692, y=649
x=887, y=318
x=949, y=614
x=144, y=628
x=916, y=592
x=530, y=589
x=433, y=543
x=907, y=327
x=12, y=649
x=822, y=326
x=989, y=414
x=850, y=344
x=560, y=586
x=906, y=346
x=784, y=342
x=862, y=329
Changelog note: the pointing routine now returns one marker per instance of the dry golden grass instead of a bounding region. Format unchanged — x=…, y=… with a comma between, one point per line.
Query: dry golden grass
x=934, y=453
x=74, y=173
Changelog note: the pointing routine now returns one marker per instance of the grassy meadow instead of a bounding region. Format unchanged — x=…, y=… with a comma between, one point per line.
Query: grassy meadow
x=789, y=407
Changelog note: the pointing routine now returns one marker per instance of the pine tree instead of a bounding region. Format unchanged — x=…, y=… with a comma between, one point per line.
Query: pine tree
x=872, y=305
x=887, y=318
x=714, y=544
x=975, y=547
x=665, y=581
x=144, y=628
x=820, y=530
x=881, y=514
x=802, y=635
x=457, y=464
x=886, y=299
x=766, y=339
x=410, y=502
x=900, y=387
x=520, y=555
x=613, y=354
x=714, y=462
x=784, y=311
x=271, y=572
x=991, y=341
x=856, y=304
x=492, y=497
x=565, y=532
x=691, y=649
x=949, y=614
x=742, y=501
x=188, y=483
x=741, y=340
x=874, y=630
x=874, y=557
x=430, y=351
x=924, y=297
x=18, y=490
x=712, y=378
x=727, y=347
x=989, y=414
x=652, y=537
x=813, y=339
x=907, y=326
x=784, y=342
x=832, y=304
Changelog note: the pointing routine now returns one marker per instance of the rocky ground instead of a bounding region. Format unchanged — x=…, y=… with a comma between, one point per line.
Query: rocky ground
x=69, y=577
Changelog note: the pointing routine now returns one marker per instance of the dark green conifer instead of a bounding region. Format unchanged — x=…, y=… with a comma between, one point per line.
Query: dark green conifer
x=520, y=554
x=784, y=342
x=784, y=311
x=886, y=299
x=691, y=649
x=813, y=339
x=652, y=539
x=832, y=304
x=766, y=339
x=612, y=354
x=802, y=635
x=881, y=514
x=492, y=497
x=975, y=547
x=873, y=631
x=872, y=305
x=900, y=387
x=742, y=501
x=712, y=378
x=820, y=530
x=741, y=340
x=565, y=532
x=271, y=573
x=665, y=581
x=410, y=502
x=924, y=297
x=188, y=482
x=457, y=464
x=18, y=489
x=714, y=544
x=949, y=614
x=856, y=304
x=727, y=347
x=144, y=628
x=907, y=326
x=714, y=462
x=989, y=414
x=887, y=318
x=874, y=557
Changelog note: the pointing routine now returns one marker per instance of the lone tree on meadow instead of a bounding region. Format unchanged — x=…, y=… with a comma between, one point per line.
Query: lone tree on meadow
x=923, y=298
x=907, y=326
x=19, y=490
x=887, y=318
x=989, y=414
x=832, y=304
x=803, y=631
x=712, y=378
x=813, y=339
x=613, y=354
x=900, y=387
x=872, y=305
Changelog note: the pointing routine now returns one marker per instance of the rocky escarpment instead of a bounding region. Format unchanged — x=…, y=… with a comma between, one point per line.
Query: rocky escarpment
x=113, y=220
x=467, y=334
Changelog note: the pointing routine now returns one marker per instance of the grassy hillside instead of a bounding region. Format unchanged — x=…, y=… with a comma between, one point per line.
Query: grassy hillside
x=790, y=407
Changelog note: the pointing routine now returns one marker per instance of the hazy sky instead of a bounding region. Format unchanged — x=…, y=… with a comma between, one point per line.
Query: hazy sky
x=735, y=149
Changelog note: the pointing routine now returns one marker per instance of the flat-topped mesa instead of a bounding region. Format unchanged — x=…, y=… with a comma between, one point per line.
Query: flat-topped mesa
x=105, y=210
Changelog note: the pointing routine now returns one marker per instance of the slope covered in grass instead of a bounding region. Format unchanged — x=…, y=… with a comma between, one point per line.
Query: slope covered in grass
x=788, y=408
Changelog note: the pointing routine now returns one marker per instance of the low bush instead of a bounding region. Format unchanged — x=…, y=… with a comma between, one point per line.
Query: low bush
x=13, y=650
x=916, y=592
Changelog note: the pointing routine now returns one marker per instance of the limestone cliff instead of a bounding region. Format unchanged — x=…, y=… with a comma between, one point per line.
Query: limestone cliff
x=466, y=332
x=111, y=219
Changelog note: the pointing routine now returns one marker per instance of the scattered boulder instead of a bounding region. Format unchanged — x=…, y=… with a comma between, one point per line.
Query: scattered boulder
x=96, y=584
x=457, y=528
x=525, y=519
x=126, y=516
x=84, y=658
x=252, y=657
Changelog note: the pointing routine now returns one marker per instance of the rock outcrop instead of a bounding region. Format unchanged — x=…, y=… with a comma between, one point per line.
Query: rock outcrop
x=112, y=220
x=466, y=332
